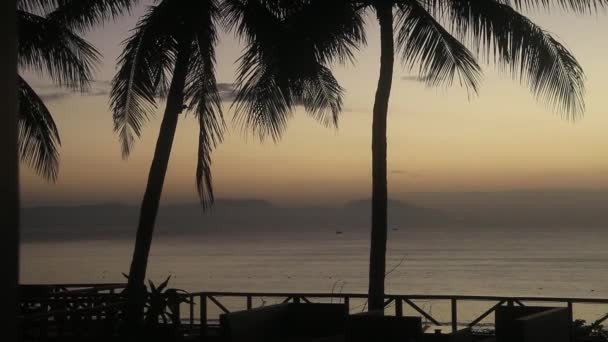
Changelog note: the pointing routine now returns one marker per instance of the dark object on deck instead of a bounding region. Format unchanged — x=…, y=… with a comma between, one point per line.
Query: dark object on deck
x=284, y=322
x=458, y=336
x=533, y=324
x=375, y=326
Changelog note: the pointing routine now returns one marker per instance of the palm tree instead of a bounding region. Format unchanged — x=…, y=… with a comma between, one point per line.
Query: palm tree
x=430, y=35
x=49, y=45
x=171, y=54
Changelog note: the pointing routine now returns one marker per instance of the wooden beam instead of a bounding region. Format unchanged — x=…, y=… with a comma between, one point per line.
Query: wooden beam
x=454, y=307
x=413, y=297
x=486, y=314
x=249, y=303
x=399, y=307
x=191, y=298
x=347, y=305
x=601, y=320
x=203, y=316
x=422, y=312
x=219, y=305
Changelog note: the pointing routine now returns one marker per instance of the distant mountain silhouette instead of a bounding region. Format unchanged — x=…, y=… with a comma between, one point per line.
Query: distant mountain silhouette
x=476, y=210
x=111, y=221
x=400, y=213
x=520, y=208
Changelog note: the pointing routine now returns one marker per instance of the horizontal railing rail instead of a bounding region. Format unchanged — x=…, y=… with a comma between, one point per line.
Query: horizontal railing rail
x=398, y=303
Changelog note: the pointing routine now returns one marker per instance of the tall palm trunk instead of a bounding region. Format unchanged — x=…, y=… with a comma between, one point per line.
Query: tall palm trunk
x=377, y=259
x=156, y=179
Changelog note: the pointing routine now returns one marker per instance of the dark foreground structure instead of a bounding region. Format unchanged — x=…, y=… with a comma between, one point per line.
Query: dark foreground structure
x=85, y=312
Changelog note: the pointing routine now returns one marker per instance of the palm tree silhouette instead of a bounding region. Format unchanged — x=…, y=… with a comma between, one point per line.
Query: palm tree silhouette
x=49, y=45
x=430, y=35
x=172, y=54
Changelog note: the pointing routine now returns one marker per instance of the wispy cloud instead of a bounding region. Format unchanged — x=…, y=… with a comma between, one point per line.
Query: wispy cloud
x=51, y=93
x=406, y=173
x=414, y=78
x=227, y=91
x=52, y=97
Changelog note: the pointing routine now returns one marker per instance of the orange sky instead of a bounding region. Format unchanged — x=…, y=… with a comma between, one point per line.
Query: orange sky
x=438, y=140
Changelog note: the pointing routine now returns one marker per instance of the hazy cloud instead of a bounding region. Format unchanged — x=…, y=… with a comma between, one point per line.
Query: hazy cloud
x=227, y=91
x=52, y=93
x=52, y=97
x=405, y=173
x=413, y=78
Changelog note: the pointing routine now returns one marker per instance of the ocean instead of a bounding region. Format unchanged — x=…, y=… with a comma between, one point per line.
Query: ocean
x=561, y=262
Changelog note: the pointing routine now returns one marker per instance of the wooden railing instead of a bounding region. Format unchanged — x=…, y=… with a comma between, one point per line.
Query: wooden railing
x=394, y=304
x=69, y=309
x=104, y=302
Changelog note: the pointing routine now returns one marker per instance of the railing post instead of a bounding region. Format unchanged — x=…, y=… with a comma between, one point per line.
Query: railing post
x=177, y=315
x=571, y=319
x=191, y=312
x=203, y=315
x=454, y=315
x=249, y=304
x=347, y=305
x=398, y=307
x=296, y=300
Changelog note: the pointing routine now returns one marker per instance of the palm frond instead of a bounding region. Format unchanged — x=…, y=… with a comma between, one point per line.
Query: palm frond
x=331, y=29
x=284, y=64
x=143, y=66
x=441, y=57
x=82, y=15
x=204, y=98
x=41, y=7
x=49, y=48
x=260, y=103
x=38, y=135
x=527, y=51
x=578, y=6
x=321, y=96
x=251, y=20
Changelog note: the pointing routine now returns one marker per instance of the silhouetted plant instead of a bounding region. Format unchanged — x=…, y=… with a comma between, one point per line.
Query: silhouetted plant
x=430, y=35
x=49, y=45
x=593, y=332
x=162, y=305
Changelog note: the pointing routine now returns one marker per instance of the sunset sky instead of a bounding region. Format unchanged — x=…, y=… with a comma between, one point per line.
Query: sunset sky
x=438, y=139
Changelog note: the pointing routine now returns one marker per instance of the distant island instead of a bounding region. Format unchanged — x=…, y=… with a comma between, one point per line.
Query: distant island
x=515, y=209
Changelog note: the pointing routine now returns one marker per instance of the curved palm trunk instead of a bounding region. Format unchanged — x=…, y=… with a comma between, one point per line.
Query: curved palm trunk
x=377, y=259
x=156, y=178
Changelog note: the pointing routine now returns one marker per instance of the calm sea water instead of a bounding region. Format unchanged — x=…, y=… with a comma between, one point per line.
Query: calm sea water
x=526, y=262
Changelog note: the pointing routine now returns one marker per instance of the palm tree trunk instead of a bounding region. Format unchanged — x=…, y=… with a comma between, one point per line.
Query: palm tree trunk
x=156, y=178
x=9, y=173
x=377, y=259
